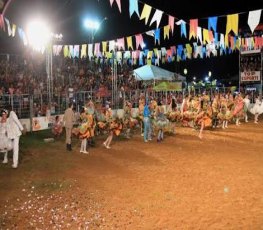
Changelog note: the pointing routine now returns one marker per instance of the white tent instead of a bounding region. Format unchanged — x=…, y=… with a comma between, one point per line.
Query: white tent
x=151, y=72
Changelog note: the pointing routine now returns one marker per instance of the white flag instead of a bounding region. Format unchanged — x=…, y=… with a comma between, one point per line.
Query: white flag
x=253, y=19
x=157, y=17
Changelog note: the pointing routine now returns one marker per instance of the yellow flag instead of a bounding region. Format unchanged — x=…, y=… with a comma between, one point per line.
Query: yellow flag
x=232, y=23
x=205, y=36
x=104, y=47
x=13, y=30
x=83, y=53
x=129, y=42
x=150, y=54
x=149, y=61
x=146, y=13
x=66, y=51
x=189, y=50
x=166, y=30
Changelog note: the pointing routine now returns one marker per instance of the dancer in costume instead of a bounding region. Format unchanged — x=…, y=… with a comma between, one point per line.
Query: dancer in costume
x=90, y=111
x=204, y=117
x=5, y=142
x=186, y=111
x=238, y=111
x=246, y=106
x=215, y=109
x=84, y=131
x=257, y=109
x=114, y=126
x=161, y=123
x=224, y=112
x=174, y=114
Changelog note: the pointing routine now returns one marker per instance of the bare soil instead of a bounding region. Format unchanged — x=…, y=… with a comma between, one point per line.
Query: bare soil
x=181, y=183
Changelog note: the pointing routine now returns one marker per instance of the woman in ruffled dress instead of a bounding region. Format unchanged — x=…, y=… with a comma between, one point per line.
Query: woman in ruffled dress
x=114, y=125
x=204, y=117
x=84, y=131
x=238, y=111
x=5, y=142
x=224, y=112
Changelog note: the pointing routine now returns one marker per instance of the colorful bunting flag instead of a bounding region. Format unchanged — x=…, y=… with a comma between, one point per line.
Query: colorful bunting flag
x=146, y=13
x=232, y=24
x=2, y=22
x=157, y=18
x=129, y=42
x=157, y=36
x=254, y=19
x=166, y=31
x=139, y=41
x=133, y=7
x=83, y=53
x=212, y=23
x=9, y=30
x=13, y=30
x=193, y=28
x=183, y=27
x=171, y=23
x=199, y=34
x=118, y=3
x=120, y=43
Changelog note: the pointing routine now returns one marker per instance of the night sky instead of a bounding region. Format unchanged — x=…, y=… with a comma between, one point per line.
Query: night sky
x=66, y=17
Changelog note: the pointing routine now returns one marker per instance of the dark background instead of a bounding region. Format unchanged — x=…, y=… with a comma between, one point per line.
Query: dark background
x=66, y=17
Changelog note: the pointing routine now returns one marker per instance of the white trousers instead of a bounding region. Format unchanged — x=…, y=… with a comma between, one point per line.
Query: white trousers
x=15, y=150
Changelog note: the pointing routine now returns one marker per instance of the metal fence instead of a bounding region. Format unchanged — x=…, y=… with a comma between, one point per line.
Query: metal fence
x=29, y=106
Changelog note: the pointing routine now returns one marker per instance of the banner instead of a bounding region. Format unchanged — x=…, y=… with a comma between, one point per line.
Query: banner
x=250, y=66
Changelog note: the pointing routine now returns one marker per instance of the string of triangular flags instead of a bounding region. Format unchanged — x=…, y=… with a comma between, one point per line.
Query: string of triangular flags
x=157, y=56
x=11, y=29
x=210, y=44
x=232, y=20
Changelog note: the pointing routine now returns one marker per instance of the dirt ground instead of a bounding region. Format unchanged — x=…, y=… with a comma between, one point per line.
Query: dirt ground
x=181, y=183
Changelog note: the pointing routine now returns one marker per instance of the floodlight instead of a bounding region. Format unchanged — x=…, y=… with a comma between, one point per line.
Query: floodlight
x=38, y=34
x=90, y=24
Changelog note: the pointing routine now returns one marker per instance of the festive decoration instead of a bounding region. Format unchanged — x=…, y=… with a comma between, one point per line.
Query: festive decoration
x=166, y=31
x=146, y=13
x=193, y=28
x=232, y=25
x=157, y=18
x=253, y=19
x=118, y=3
x=171, y=23
x=212, y=23
x=133, y=8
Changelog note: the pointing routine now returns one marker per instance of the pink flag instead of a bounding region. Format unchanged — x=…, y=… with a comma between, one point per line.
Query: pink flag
x=171, y=23
x=139, y=41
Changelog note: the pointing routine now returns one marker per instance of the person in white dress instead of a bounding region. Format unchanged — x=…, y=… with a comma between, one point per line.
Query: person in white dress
x=5, y=143
x=246, y=106
x=257, y=109
x=14, y=130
